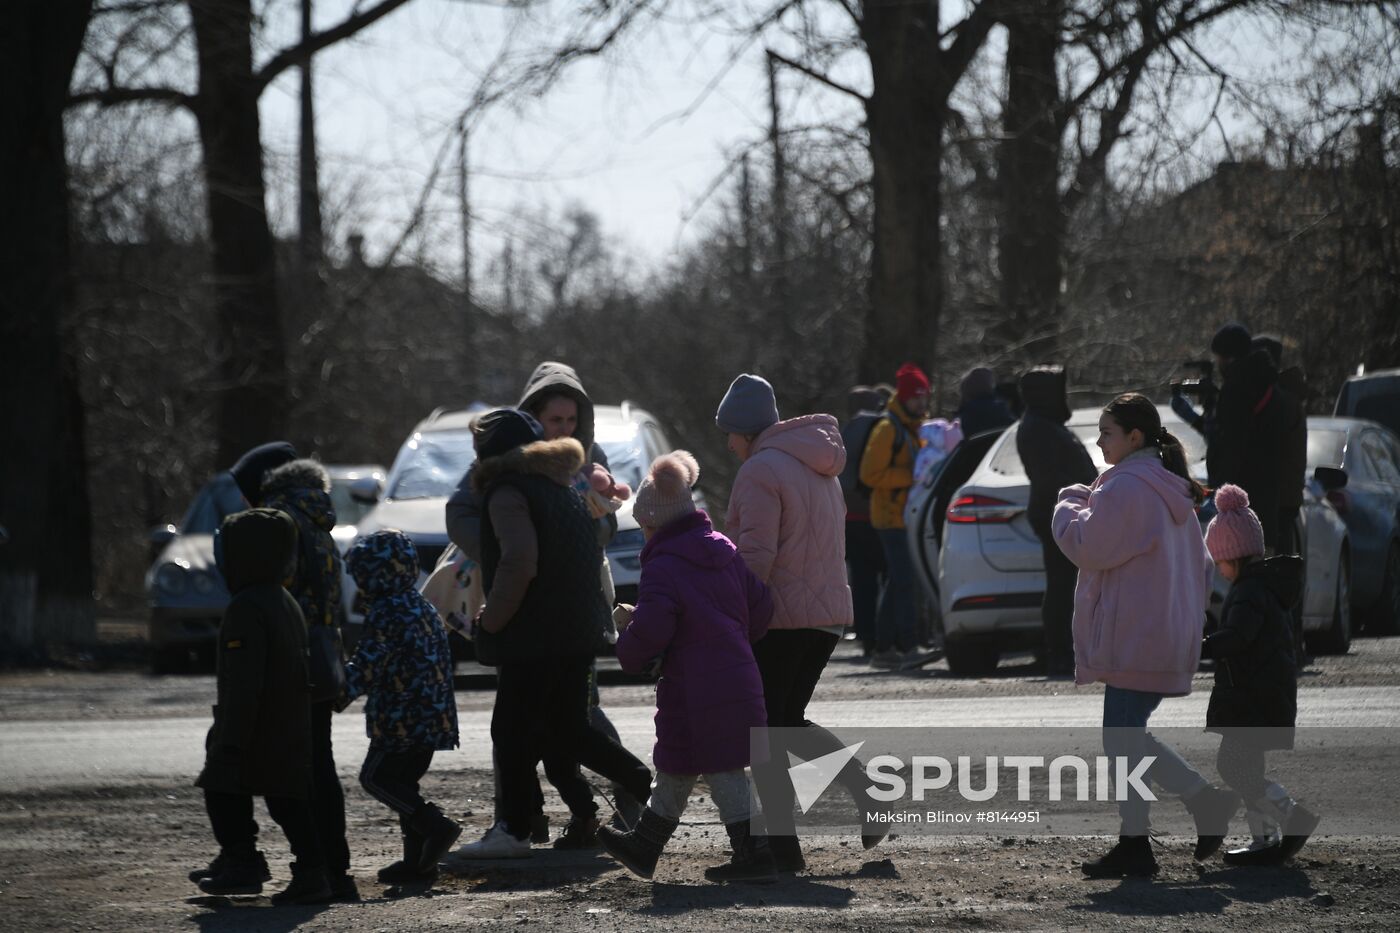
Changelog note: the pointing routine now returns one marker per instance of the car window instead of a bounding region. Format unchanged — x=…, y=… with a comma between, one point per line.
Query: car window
x=622, y=442
x=1385, y=468
x=1007, y=460
x=219, y=498
x=1326, y=448
x=431, y=464
x=348, y=511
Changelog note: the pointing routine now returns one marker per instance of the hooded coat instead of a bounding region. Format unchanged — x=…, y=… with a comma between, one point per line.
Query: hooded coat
x=302, y=489
x=1144, y=576
x=1245, y=444
x=260, y=742
x=464, y=507
x=699, y=609
x=1051, y=453
x=1256, y=683
x=787, y=516
x=540, y=558
x=403, y=662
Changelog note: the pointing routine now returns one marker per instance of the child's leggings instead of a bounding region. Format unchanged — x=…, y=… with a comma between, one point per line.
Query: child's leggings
x=1241, y=765
x=730, y=790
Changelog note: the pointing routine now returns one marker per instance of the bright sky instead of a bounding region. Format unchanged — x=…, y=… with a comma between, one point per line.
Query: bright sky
x=635, y=138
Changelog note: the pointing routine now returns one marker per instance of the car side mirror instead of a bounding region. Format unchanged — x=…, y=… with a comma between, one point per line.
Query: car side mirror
x=163, y=535
x=1330, y=478
x=366, y=489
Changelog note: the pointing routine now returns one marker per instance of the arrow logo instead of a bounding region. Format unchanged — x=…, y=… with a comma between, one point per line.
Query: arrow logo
x=810, y=779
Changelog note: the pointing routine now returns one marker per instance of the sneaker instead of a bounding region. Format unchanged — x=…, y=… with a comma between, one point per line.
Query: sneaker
x=216, y=866
x=309, y=886
x=1262, y=852
x=579, y=833
x=1131, y=858
x=497, y=843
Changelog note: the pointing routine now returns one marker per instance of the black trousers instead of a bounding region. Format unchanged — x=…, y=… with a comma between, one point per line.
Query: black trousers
x=1057, y=607
x=1241, y=765
x=790, y=662
x=543, y=706
x=327, y=796
x=391, y=776
x=231, y=818
x=865, y=559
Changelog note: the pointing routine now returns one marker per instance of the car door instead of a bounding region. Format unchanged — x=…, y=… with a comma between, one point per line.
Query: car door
x=926, y=530
x=1367, y=499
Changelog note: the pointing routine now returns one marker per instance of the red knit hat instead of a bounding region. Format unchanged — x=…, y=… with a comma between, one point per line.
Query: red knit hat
x=909, y=382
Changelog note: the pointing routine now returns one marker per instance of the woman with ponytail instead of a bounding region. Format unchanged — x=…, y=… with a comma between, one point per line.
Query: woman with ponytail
x=1139, y=610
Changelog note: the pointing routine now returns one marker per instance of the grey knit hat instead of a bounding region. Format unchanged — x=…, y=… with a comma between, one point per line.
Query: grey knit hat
x=748, y=407
x=664, y=495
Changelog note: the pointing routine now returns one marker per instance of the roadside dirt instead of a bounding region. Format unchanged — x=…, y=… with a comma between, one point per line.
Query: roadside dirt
x=115, y=860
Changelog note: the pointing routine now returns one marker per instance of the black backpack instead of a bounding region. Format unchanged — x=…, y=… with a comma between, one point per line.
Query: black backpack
x=855, y=435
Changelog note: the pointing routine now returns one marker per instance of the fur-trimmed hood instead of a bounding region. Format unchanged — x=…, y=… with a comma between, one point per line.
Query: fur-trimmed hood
x=559, y=460
x=303, y=485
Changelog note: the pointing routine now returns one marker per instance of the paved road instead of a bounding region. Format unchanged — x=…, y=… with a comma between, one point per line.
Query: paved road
x=91, y=752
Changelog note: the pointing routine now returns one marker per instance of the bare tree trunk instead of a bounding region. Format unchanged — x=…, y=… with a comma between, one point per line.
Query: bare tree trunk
x=309, y=200
x=1030, y=223
x=252, y=400
x=905, y=115
x=46, y=566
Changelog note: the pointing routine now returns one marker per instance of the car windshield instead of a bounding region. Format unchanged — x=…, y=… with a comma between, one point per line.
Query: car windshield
x=219, y=498
x=1007, y=461
x=623, y=445
x=347, y=510
x=1325, y=448
x=431, y=465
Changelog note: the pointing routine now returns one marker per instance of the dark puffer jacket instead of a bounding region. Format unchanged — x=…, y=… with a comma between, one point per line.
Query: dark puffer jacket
x=1256, y=686
x=402, y=662
x=1050, y=452
x=302, y=489
x=1245, y=443
x=261, y=739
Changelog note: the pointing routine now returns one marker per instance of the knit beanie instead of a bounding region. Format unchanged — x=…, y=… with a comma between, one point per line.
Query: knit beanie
x=979, y=382
x=501, y=431
x=1231, y=341
x=252, y=468
x=748, y=407
x=664, y=495
x=1235, y=531
x=910, y=381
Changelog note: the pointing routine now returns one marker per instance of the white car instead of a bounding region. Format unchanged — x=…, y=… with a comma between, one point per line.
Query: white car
x=981, y=563
x=438, y=453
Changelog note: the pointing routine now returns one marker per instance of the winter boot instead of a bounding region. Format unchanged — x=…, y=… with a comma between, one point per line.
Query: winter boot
x=787, y=853
x=309, y=886
x=343, y=888
x=1212, y=807
x=437, y=832
x=1131, y=858
x=639, y=849
x=1296, y=830
x=216, y=866
x=238, y=875
x=628, y=811
x=539, y=828
x=752, y=860
x=581, y=832
x=406, y=870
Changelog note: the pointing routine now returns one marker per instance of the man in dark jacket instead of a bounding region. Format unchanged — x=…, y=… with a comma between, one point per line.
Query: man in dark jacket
x=302, y=489
x=1053, y=458
x=1292, y=388
x=544, y=606
x=981, y=409
x=260, y=743
x=865, y=558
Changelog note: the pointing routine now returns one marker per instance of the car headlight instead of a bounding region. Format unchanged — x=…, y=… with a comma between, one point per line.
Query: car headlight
x=172, y=579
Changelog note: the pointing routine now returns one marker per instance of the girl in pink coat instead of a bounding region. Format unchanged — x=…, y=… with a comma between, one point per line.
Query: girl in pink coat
x=1139, y=610
x=787, y=516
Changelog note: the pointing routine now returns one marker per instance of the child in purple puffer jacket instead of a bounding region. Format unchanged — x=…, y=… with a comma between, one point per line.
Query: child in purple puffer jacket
x=698, y=611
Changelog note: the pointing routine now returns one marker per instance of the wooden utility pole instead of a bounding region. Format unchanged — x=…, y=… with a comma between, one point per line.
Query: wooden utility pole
x=309, y=200
x=464, y=205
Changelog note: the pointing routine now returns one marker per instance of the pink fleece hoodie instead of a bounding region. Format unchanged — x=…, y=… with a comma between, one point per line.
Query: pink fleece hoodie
x=1144, y=577
x=787, y=516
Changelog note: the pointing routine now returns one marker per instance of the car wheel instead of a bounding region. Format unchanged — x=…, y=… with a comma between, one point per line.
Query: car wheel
x=1384, y=618
x=1336, y=639
x=972, y=658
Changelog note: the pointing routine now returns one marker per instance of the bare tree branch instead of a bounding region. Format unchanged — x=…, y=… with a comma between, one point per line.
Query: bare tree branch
x=817, y=76
x=301, y=52
x=116, y=96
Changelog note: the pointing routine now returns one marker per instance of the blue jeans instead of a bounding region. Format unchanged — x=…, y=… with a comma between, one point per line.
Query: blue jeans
x=897, y=625
x=1125, y=715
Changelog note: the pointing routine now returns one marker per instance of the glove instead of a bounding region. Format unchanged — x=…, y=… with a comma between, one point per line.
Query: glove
x=622, y=616
x=1182, y=406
